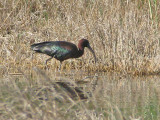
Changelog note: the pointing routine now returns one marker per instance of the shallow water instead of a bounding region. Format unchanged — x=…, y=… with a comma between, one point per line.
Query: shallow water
x=132, y=96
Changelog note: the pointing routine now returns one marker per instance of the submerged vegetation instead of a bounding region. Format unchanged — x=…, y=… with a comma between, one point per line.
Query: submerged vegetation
x=125, y=37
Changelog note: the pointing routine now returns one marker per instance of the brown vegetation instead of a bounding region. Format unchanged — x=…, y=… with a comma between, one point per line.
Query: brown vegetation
x=125, y=37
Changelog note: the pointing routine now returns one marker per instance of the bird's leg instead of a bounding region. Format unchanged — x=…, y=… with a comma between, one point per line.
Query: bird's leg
x=32, y=58
x=47, y=61
x=60, y=66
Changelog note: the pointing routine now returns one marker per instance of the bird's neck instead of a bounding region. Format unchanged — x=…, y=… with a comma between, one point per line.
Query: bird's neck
x=79, y=53
x=80, y=50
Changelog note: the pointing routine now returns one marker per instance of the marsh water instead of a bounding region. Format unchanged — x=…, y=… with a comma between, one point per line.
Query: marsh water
x=136, y=97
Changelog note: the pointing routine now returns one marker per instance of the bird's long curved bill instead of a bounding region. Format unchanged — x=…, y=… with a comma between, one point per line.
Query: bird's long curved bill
x=89, y=47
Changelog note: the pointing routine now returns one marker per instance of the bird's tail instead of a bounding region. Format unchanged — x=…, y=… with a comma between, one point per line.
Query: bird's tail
x=36, y=47
x=43, y=47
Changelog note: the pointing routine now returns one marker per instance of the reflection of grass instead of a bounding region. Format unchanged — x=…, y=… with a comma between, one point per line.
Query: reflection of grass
x=36, y=97
x=151, y=110
x=121, y=33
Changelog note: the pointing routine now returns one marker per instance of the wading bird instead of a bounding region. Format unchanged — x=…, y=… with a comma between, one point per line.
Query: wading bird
x=62, y=50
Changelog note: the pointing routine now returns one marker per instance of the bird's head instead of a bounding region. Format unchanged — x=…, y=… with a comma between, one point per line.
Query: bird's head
x=85, y=43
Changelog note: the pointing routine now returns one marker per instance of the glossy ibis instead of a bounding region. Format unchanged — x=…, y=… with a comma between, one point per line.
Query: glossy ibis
x=62, y=50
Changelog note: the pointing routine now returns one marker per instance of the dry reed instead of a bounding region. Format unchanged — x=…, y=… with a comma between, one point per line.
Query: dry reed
x=125, y=37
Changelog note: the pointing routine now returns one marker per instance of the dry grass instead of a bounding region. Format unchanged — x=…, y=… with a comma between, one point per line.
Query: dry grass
x=124, y=34
x=125, y=37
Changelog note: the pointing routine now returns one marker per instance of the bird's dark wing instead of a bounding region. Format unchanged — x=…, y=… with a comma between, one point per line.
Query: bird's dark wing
x=64, y=50
x=61, y=50
x=44, y=47
x=60, y=53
